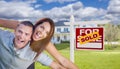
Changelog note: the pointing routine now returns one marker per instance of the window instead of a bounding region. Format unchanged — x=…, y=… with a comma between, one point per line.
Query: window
x=58, y=29
x=66, y=30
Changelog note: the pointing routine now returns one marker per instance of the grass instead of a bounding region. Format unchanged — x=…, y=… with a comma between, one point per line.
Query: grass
x=107, y=59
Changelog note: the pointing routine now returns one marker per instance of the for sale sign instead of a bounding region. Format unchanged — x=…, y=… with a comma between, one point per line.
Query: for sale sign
x=89, y=38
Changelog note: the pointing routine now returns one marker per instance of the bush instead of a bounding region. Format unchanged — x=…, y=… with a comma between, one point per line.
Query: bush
x=65, y=41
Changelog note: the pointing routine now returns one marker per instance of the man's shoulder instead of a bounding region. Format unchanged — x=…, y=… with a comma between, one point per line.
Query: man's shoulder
x=6, y=36
x=6, y=39
x=5, y=33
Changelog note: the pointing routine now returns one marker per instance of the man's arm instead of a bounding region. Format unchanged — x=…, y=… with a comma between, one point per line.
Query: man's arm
x=63, y=61
x=12, y=24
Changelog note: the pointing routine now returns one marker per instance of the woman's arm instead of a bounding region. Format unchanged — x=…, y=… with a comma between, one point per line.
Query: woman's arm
x=12, y=24
x=55, y=65
x=62, y=60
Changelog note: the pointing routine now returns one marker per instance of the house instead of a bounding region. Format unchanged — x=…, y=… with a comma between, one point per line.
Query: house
x=62, y=32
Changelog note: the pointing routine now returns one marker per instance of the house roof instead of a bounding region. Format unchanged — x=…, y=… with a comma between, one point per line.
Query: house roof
x=60, y=23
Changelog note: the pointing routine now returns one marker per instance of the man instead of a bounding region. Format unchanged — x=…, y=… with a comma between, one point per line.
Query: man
x=15, y=52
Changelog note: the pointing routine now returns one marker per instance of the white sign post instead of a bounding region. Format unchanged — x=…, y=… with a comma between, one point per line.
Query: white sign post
x=72, y=36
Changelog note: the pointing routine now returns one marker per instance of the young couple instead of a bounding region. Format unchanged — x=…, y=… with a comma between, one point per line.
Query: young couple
x=21, y=50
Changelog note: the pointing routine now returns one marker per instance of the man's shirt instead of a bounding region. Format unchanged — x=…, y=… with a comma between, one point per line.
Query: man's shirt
x=10, y=58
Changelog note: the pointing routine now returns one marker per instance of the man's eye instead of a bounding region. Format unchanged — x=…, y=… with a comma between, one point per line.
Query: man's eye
x=19, y=31
x=27, y=34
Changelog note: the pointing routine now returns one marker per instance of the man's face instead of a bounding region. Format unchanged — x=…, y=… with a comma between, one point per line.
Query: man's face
x=22, y=36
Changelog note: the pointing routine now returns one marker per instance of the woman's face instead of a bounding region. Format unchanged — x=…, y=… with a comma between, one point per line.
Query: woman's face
x=41, y=31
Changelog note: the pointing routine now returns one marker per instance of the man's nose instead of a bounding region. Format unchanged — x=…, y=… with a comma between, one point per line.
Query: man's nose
x=22, y=36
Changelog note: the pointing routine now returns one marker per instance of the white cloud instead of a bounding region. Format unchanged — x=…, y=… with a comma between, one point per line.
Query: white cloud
x=92, y=12
x=102, y=0
x=114, y=7
x=114, y=11
x=79, y=11
x=18, y=10
x=60, y=1
x=29, y=1
x=37, y=6
x=89, y=11
x=60, y=13
x=24, y=10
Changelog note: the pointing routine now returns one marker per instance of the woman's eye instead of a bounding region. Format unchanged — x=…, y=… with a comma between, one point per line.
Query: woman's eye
x=26, y=34
x=42, y=27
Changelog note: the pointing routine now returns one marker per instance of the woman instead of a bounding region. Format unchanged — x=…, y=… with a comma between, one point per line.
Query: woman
x=41, y=41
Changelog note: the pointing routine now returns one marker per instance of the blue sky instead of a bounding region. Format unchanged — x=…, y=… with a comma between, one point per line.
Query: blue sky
x=60, y=9
x=96, y=3
x=93, y=3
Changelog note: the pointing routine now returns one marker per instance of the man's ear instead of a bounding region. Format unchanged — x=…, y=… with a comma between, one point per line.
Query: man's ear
x=14, y=31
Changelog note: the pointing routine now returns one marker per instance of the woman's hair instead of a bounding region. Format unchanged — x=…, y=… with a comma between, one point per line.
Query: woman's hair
x=39, y=46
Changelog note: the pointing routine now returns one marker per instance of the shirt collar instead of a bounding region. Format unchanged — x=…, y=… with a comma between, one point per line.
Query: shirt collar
x=18, y=51
x=25, y=53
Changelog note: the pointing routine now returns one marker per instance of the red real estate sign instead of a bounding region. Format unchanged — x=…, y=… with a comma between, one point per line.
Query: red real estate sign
x=89, y=38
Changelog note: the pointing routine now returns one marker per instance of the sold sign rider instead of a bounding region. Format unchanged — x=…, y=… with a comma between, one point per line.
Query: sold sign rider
x=89, y=38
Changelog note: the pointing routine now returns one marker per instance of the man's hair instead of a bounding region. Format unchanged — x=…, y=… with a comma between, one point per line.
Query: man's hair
x=27, y=23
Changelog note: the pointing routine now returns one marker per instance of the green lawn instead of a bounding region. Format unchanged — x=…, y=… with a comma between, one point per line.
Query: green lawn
x=107, y=59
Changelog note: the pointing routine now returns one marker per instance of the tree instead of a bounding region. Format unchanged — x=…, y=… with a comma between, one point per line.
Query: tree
x=111, y=33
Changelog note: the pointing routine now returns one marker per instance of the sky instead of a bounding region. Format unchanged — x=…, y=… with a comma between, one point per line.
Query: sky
x=58, y=10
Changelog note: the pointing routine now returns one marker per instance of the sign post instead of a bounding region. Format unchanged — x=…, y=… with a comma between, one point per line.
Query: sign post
x=72, y=32
x=72, y=23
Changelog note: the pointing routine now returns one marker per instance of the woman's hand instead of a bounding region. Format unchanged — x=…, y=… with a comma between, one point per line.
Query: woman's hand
x=12, y=24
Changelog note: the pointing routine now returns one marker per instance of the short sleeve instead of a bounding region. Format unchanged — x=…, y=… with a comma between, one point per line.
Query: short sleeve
x=44, y=59
x=6, y=38
x=5, y=34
